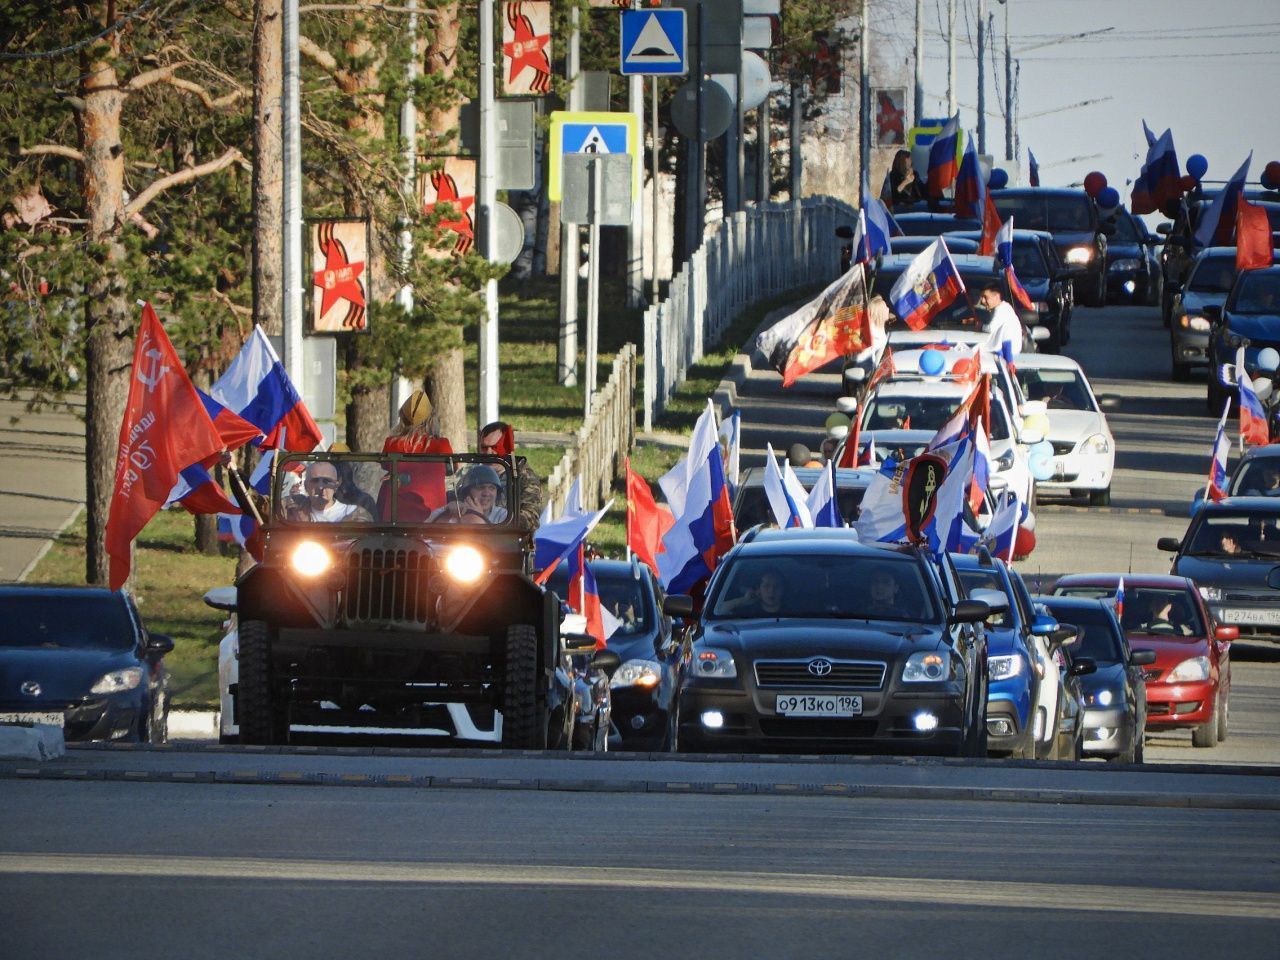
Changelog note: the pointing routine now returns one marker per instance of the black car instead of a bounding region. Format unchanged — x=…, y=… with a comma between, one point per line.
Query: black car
x=80, y=658
x=1230, y=550
x=1256, y=473
x=917, y=244
x=923, y=223
x=809, y=640
x=1198, y=306
x=1133, y=266
x=1078, y=233
x=1115, y=692
x=653, y=657
x=1250, y=319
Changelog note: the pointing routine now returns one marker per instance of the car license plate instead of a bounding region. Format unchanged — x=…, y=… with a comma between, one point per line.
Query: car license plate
x=1237, y=615
x=808, y=705
x=55, y=719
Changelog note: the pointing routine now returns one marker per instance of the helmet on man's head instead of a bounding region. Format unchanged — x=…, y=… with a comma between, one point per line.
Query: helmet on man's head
x=479, y=475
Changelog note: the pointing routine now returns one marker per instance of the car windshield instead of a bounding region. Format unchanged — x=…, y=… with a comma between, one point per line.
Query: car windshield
x=934, y=226
x=98, y=622
x=622, y=596
x=824, y=586
x=393, y=488
x=900, y=412
x=1100, y=638
x=1259, y=477
x=1059, y=389
x=1238, y=534
x=986, y=580
x=1161, y=610
x=1258, y=293
x=1127, y=230
x=1213, y=275
x=1046, y=212
x=1028, y=261
x=752, y=506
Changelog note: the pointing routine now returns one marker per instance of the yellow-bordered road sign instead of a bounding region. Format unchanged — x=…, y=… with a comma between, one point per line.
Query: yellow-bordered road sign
x=592, y=132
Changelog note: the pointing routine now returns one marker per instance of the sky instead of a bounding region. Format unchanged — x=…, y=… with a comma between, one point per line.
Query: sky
x=1210, y=71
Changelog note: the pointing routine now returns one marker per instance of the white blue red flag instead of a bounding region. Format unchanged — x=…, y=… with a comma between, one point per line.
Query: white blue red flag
x=929, y=285
x=256, y=388
x=703, y=530
x=1160, y=179
x=942, y=158
x=785, y=494
x=731, y=437
x=880, y=227
x=1216, y=488
x=1004, y=259
x=971, y=186
x=1253, y=419
x=197, y=492
x=861, y=244
x=822, y=499
x=1218, y=223
x=1119, y=600
x=561, y=538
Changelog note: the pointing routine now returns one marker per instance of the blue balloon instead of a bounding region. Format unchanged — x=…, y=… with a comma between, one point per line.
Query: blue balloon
x=1041, y=467
x=1108, y=198
x=1042, y=449
x=932, y=363
x=998, y=179
x=1197, y=165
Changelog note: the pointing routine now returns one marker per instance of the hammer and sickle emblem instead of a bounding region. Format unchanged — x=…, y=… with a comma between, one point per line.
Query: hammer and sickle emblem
x=930, y=485
x=154, y=371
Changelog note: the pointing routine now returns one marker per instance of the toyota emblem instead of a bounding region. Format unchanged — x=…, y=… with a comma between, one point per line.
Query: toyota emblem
x=820, y=668
x=30, y=688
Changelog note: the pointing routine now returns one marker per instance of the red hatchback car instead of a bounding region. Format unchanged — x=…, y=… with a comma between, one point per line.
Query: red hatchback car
x=1189, y=685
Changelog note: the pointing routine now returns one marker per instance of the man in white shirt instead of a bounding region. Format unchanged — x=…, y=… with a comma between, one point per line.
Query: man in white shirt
x=321, y=487
x=1004, y=325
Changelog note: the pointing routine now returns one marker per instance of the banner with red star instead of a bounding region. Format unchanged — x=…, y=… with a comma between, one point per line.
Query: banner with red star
x=448, y=186
x=891, y=116
x=526, y=48
x=339, y=254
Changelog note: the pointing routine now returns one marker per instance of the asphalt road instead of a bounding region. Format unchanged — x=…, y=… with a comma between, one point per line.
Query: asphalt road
x=125, y=870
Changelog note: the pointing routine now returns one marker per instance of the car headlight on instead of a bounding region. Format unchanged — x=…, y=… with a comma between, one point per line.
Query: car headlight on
x=310, y=558
x=1098, y=443
x=1123, y=266
x=1079, y=255
x=1198, y=324
x=464, y=563
x=1099, y=698
x=1211, y=594
x=717, y=664
x=925, y=668
x=118, y=681
x=1189, y=671
x=637, y=673
x=1003, y=667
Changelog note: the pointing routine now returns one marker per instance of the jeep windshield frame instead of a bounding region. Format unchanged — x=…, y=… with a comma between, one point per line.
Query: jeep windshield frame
x=394, y=490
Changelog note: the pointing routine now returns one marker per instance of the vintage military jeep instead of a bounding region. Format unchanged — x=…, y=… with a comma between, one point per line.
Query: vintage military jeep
x=395, y=591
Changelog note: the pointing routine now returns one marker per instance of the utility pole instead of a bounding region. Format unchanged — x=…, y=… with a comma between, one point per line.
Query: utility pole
x=951, y=58
x=696, y=149
x=1008, y=88
x=291, y=243
x=570, y=246
x=763, y=132
x=797, y=161
x=919, y=98
x=982, y=76
x=635, y=232
x=401, y=387
x=864, y=110
x=486, y=199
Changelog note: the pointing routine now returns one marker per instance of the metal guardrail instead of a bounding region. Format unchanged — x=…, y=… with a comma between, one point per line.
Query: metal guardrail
x=755, y=254
x=601, y=445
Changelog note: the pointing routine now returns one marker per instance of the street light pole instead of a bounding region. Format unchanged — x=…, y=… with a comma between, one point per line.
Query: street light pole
x=486, y=199
x=864, y=111
x=982, y=76
x=951, y=58
x=1008, y=88
x=291, y=156
x=919, y=91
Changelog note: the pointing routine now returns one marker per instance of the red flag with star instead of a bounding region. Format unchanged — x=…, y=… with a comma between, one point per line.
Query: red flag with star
x=338, y=280
x=526, y=47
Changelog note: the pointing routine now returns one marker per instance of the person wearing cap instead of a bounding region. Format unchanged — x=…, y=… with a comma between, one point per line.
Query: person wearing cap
x=499, y=439
x=477, y=499
x=422, y=485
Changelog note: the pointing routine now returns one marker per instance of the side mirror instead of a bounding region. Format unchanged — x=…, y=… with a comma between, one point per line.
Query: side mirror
x=848, y=405
x=1226, y=633
x=970, y=611
x=1164, y=229
x=606, y=661
x=844, y=233
x=1032, y=408
x=1067, y=635
x=1142, y=658
x=221, y=598
x=855, y=374
x=158, y=644
x=577, y=642
x=1173, y=545
x=995, y=600
x=1043, y=626
x=678, y=605
x=1039, y=333
x=1082, y=666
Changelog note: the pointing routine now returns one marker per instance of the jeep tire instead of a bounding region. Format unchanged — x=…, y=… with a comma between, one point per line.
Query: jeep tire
x=262, y=720
x=524, y=714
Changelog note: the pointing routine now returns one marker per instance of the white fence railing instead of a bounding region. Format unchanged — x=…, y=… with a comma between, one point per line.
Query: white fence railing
x=753, y=255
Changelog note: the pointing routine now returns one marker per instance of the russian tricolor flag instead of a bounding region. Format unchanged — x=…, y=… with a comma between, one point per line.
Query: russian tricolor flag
x=822, y=500
x=929, y=285
x=785, y=493
x=942, y=158
x=1218, y=223
x=256, y=388
x=971, y=188
x=1216, y=488
x=198, y=492
x=1120, y=599
x=1253, y=419
x=554, y=541
x=1004, y=258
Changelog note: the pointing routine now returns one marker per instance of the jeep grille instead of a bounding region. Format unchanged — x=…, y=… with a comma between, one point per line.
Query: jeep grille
x=387, y=586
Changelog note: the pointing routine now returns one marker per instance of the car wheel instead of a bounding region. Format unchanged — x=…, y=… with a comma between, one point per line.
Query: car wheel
x=1206, y=735
x=158, y=724
x=1100, y=498
x=262, y=720
x=1224, y=715
x=1130, y=755
x=524, y=723
x=1140, y=746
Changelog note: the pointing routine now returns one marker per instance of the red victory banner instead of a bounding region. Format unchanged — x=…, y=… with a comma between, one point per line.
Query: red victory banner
x=891, y=115
x=165, y=430
x=526, y=47
x=450, y=190
x=339, y=251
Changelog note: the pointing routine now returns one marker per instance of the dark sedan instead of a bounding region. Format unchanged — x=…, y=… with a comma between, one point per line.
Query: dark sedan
x=79, y=658
x=1229, y=550
x=922, y=223
x=1115, y=694
x=1133, y=268
x=810, y=640
x=1197, y=307
x=1072, y=217
x=1250, y=319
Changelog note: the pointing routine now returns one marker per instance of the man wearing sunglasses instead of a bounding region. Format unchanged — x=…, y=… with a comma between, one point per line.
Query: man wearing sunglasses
x=318, y=503
x=499, y=439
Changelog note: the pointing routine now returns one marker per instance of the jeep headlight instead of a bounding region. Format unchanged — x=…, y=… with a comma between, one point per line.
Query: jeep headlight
x=1079, y=255
x=1098, y=443
x=1004, y=667
x=1198, y=324
x=717, y=664
x=1190, y=670
x=310, y=558
x=118, y=681
x=464, y=563
x=925, y=668
x=637, y=673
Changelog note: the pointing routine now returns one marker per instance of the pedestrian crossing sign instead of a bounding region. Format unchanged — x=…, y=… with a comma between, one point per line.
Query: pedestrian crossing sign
x=591, y=132
x=653, y=43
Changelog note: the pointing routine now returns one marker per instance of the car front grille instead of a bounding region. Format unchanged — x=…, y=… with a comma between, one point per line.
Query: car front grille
x=823, y=728
x=387, y=585
x=1243, y=596
x=1063, y=447
x=843, y=674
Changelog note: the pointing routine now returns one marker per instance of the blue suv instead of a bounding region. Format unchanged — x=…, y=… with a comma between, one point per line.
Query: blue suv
x=1012, y=671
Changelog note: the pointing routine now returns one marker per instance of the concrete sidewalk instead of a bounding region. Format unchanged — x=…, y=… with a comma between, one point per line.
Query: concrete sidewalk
x=41, y=482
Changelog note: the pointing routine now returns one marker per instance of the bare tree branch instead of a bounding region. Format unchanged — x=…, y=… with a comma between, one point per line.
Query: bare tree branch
x=210, y=102
x=149, y=77
x=52, y=150
x=318, y=55
x=180, y=177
